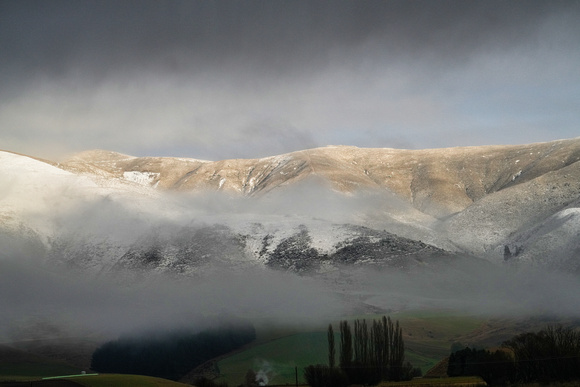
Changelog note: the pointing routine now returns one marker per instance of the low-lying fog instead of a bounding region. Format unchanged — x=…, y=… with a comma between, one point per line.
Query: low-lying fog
x=111, y=305
x=34, y=292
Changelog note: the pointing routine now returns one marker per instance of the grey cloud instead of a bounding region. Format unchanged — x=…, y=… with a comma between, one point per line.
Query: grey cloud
x=247, y=79
x=110, y=37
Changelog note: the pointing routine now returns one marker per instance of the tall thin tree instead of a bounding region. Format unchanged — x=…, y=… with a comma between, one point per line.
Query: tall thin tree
x=370, y=356
x=345, y=345
x=331, y=349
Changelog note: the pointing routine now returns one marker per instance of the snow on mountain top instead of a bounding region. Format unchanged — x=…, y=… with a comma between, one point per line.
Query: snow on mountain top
x=14, y=164
x=43, y=196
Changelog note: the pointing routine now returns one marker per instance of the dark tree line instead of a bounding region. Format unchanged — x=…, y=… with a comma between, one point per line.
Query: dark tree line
x=553, y=354
x=368, y=354
x=550, y=355
x=493, y=367
x=377, y=352
x=321, y=375
x=169, y=355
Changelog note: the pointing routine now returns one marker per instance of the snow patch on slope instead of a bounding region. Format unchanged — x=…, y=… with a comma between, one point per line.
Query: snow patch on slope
x=142, y=178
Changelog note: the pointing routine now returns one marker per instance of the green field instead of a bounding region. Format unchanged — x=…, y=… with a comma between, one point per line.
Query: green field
x=106, y=380
x=428, y=337
x=35, y=370
x=278, y=357
x=282, y=351
x=115, y=380
x=20, y=365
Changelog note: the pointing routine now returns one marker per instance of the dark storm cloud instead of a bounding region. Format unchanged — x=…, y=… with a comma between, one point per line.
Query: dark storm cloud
x=59, y=37
x=147, y=77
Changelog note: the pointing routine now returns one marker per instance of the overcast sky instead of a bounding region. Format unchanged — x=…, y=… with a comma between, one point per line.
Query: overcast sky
x=229, y=79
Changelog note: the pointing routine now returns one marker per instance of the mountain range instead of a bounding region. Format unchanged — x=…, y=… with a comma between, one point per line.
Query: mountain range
x=311, y=212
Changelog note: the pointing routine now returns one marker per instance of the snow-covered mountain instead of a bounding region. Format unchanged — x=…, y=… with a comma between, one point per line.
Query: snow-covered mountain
x=311, y=212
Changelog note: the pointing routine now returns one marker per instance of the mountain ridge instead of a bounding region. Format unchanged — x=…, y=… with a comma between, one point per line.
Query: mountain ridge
x=438, y=182
x=103, y=209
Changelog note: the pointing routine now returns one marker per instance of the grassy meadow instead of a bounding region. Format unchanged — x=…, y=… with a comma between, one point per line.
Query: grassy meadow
x=116, y=380
x=21, y=366
x=281, y=350
x=428, y=338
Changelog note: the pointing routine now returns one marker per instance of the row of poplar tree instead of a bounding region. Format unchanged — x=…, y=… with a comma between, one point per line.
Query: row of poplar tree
x=368, y=354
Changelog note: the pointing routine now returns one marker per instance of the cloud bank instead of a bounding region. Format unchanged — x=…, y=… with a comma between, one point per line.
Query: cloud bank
x=113, y=303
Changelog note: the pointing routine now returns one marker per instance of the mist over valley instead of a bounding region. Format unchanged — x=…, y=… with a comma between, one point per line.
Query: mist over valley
x=112, y=243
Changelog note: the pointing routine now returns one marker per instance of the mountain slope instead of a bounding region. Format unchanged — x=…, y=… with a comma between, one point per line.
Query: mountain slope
x=306, y=211
x=483, y=226
x=438, y=182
